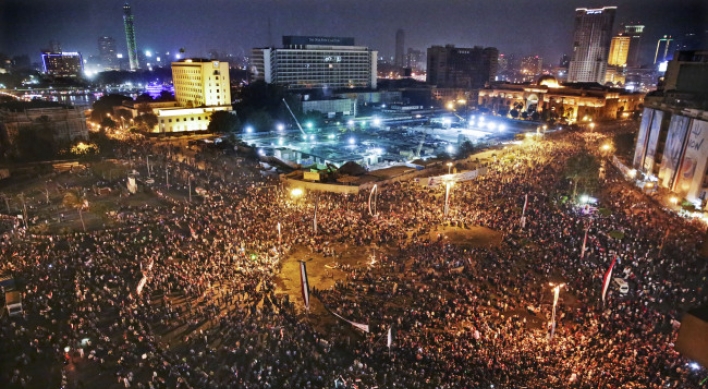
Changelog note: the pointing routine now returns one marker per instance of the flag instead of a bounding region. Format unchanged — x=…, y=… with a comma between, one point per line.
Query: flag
x=374, y=191
x=305, y=285
x=315, y=218
x=390, y=338
x=585, y=240
x=607, y=279
x=363, y=327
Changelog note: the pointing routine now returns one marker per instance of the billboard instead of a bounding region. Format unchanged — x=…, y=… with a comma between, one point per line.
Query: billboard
x=649, y=159
x=689, y=181
x=642, y=138
x=673, y=150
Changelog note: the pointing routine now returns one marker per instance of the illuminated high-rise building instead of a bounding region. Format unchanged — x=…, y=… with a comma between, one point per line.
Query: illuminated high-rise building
x=591, y=44
x=664, y=49
x=201, y=82
x=107, y=52
x=619, y=49
x=64, y=64
x=454, y=67
x=634, y=32
x=400, y=59
x=130, y=37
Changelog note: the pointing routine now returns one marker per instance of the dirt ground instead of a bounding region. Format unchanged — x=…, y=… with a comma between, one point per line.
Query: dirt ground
x=323, y=272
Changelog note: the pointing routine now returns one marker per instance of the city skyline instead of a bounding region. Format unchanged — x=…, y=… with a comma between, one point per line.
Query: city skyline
x=235, y=27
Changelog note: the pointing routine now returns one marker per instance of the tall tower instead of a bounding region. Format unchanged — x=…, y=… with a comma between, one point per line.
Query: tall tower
x=399, y=60
x=634, y=31
x=130, y=37
x=591, y=44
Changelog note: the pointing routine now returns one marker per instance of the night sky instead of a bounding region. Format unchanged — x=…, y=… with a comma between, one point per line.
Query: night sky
x=521, y=27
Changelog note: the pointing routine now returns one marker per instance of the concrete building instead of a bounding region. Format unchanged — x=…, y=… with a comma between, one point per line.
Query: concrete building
x=65, y=123
x=591, y=44
x=201, y=82
x=63, y=64
x=340, y=108
x=128, y=24
x=454, y=67
x=672, y=142
x=309, y=62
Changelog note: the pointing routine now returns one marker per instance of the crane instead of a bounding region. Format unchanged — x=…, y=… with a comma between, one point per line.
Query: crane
x=296, y=121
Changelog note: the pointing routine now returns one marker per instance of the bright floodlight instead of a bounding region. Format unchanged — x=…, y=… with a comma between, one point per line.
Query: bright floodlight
x=350, y=123
x=261, y=152
x=280, y=141
x=249, y=129
x=309, y=125
x=280, y=127
x=491, y=125
x=447, y=121
x=296, y=192
x=501, y=128
x=352, y=141
x=449, y=148
x=694, y=366
x=584, y=198
x=377, y=122
x=481, y=119
x=312, y=137
x=148, y=53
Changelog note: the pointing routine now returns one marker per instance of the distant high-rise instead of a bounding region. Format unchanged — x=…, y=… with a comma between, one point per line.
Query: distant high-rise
x=591, y=44
x=107, y=52
x=130, y=37
x=400, y=59
x=634, y=32
x=415, y=59
x=451, y=67
x=619, y=49
x=564, y=61
x=664, y=49
x=63, y=64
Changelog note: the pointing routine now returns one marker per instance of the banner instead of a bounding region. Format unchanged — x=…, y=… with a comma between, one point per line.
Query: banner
x=374, y=194
x=673, y=150
x=363, y=327
x=457, y=177
x=305, y=286
x=649, y=159
x=689, y=180
x=607, y=279
x=642, y=138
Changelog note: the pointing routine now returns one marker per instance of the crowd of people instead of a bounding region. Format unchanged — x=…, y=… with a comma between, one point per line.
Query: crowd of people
x=186, y=295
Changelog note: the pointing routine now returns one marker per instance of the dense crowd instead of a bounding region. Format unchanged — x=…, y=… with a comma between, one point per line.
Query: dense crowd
x=185, y=295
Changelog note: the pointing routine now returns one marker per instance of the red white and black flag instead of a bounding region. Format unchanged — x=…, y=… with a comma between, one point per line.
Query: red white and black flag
x=305, y=285
x=607, y=279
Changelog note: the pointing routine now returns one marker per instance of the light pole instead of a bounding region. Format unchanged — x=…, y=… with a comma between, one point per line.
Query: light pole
x=189, y=181
x=449, y=167
x=556, y=292
x=448, y=184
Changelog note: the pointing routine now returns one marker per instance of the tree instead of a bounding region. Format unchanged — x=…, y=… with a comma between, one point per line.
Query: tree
x=104, y=106
x=466, y=149
x=147, y=121
x=583, y=170
x=224, y=122
x=108, y=123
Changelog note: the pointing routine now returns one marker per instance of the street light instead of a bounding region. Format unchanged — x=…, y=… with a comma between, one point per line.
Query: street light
x=448, y=185
x=673, y=200
x=556, y=292
x=449, y=167
x=296, y=192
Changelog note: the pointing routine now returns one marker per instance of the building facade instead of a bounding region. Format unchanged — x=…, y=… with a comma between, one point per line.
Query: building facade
x=201, y=82
x=619, y=50
x=570, y=102
x=128, y=24
x=316, y=63
x=63, y=64
x=591, y=44
x=65, y=123
x=454, y=67
x=672, y=142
